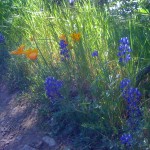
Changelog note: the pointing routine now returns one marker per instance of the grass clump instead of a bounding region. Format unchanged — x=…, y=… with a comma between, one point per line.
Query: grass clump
x=73, y=61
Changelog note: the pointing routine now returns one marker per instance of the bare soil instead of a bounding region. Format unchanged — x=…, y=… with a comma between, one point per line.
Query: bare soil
x=19, y=128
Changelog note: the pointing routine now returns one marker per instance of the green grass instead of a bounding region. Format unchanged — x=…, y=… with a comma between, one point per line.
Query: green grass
x=98, y=108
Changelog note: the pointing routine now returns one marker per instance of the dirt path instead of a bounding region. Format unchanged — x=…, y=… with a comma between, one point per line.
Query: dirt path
x=18, y=124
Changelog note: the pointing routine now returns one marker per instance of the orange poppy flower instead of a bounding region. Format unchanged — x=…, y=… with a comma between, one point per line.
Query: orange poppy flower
x=75, y=36
x=28, y=51
x=63, y=37
x=19, y=51
x=31, y=53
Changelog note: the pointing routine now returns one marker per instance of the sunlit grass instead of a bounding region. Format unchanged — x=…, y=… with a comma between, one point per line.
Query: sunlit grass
x=93, y=80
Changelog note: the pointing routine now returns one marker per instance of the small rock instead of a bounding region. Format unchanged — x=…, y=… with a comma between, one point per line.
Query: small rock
x=48, y=140
x=27, y=147
x=18, y=138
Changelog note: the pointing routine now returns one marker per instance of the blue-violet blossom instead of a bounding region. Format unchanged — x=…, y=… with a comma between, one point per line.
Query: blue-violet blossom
x=132, y=96
x=124, y=50
x=95, y=54
x=52, y=88
x=64, y=52
x=126, y=139
x=2, y=38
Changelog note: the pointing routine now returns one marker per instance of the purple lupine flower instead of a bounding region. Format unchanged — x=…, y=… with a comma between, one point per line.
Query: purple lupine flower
x=64, y=52
x=133, y=99
x=2, y=38
x=95, y=54
x=134, y=112
x=124, y=40
x=134, y=93
x=132, y=96
x=126, y=139
x=125, y=83
x=124, y=50
x=52, y=88
x=62, y=44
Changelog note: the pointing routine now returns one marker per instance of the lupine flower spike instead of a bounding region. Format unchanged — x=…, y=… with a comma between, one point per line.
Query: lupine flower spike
x=62, y=44
x=126, y=139
x=63, y=37
x=132, y=97
x=125, y=83
x=64, y=52
x=2, y=38
x=52, y=88
x=124, y=50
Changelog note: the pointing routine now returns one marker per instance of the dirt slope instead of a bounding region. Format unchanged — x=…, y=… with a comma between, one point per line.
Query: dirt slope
x=18, y=123
x=19, y=126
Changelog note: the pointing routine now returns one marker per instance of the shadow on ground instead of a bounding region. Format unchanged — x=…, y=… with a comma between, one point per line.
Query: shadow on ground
x=19, y=123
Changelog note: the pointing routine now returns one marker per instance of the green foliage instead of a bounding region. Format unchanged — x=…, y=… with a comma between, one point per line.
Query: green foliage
x=92, y=107
x=3, y=59
x=18, y=75
x=5, y=9
x=145, y=4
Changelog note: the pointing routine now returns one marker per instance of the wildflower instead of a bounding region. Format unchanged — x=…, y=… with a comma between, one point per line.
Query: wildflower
x=31, y=53
x=64, y=52
x=75, y=37
x=19, y=51
x=124, y=83
x=124, y=50
x=132, y=97
x=95, y=54
x=52, y=87
x=2, y=38
x=126, y=139
x=62, y=44
x=63, y=37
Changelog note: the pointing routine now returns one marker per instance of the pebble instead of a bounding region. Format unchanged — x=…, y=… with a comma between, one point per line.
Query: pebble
x=48, y=140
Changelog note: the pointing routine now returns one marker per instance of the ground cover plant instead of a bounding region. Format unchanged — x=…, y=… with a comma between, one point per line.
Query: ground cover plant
x=86, y=66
